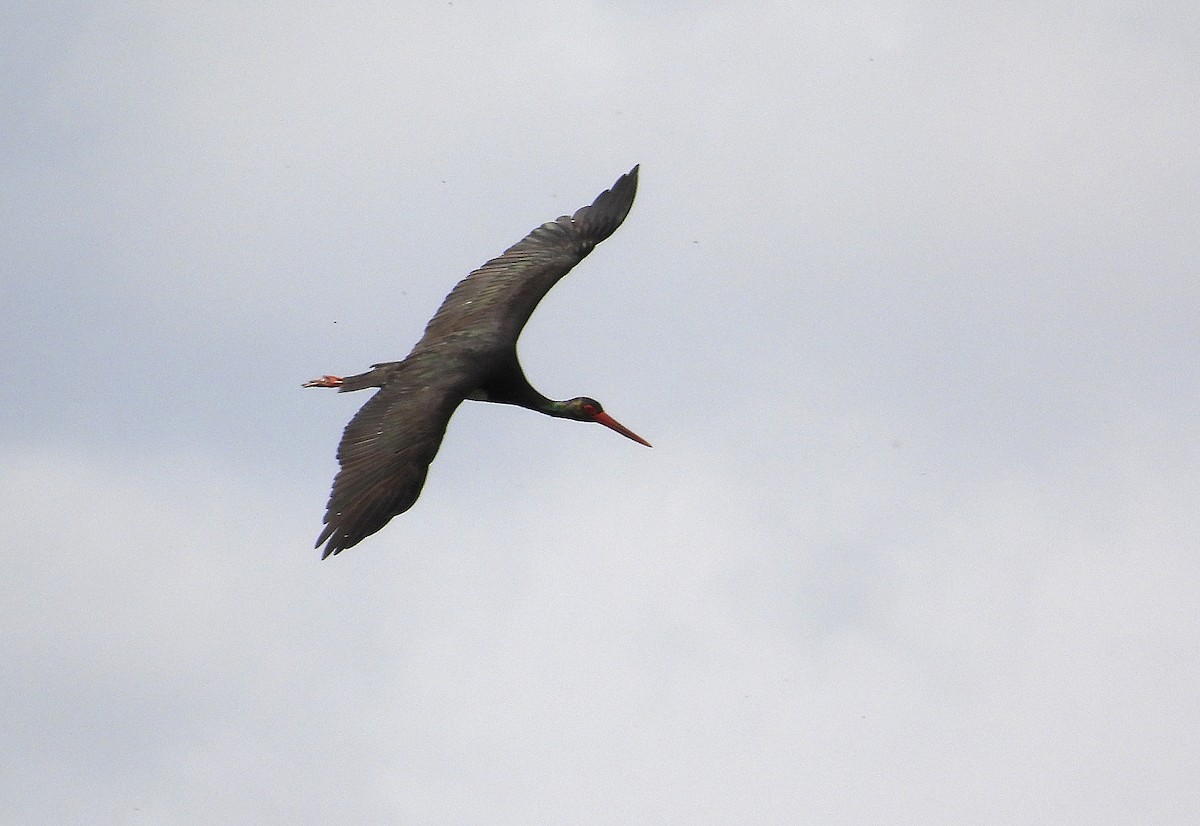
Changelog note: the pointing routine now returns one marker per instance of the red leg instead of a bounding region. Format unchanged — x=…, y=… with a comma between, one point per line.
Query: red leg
x=324, y=381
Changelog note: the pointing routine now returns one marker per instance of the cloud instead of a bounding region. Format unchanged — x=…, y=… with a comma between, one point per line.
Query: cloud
x=905, y=305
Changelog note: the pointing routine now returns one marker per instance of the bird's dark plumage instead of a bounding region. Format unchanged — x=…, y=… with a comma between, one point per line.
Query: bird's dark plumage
x=469, y=347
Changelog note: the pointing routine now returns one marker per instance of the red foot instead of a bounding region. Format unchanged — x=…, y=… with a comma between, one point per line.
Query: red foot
x=324, y=381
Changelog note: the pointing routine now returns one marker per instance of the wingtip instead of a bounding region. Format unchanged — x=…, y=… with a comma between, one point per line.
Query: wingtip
x=631, y=176
x=326, y=539
x=331, y=549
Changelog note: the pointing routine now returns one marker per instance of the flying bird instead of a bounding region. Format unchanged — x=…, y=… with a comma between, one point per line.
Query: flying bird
x=468, y=351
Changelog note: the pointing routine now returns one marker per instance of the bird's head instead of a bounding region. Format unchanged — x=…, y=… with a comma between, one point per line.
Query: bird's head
x=583, y=409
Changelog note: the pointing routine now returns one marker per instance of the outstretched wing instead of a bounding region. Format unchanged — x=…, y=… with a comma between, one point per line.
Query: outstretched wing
x=492, y=304
x=387, y=447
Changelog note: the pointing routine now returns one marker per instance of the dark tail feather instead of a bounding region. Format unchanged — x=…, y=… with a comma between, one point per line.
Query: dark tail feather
x=377, y=376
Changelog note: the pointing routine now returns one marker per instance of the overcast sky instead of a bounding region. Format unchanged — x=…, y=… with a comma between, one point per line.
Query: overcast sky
x=907, y=304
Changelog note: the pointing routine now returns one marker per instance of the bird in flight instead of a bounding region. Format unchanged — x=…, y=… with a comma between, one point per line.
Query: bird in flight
x=468, y=351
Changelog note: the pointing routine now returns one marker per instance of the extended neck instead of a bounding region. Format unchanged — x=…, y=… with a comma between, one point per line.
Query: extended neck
x=523, y=395
x=509, y=386
x=531, y=399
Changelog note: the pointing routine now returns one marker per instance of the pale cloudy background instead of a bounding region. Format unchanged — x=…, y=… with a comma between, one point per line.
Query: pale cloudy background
x=907, y=305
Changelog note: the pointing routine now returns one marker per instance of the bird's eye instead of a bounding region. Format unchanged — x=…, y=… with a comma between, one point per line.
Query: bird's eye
x=589, y=409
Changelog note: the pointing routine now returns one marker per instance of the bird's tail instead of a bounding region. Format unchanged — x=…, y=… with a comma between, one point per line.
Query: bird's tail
x=377, y=376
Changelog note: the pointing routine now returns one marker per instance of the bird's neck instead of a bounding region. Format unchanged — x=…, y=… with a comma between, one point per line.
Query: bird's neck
x=520, y=394
x=554, y=408
x=508, y=385
x=533, y=400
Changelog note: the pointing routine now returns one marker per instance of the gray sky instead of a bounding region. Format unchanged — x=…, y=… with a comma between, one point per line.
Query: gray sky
x=907, y=305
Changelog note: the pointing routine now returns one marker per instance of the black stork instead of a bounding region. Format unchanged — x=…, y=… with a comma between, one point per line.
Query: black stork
x=468, y=351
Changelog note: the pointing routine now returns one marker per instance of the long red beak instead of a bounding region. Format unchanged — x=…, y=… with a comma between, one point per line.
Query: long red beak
x=612, y=424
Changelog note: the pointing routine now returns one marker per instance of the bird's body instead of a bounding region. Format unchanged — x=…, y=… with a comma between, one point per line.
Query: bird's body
x=468, y=350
